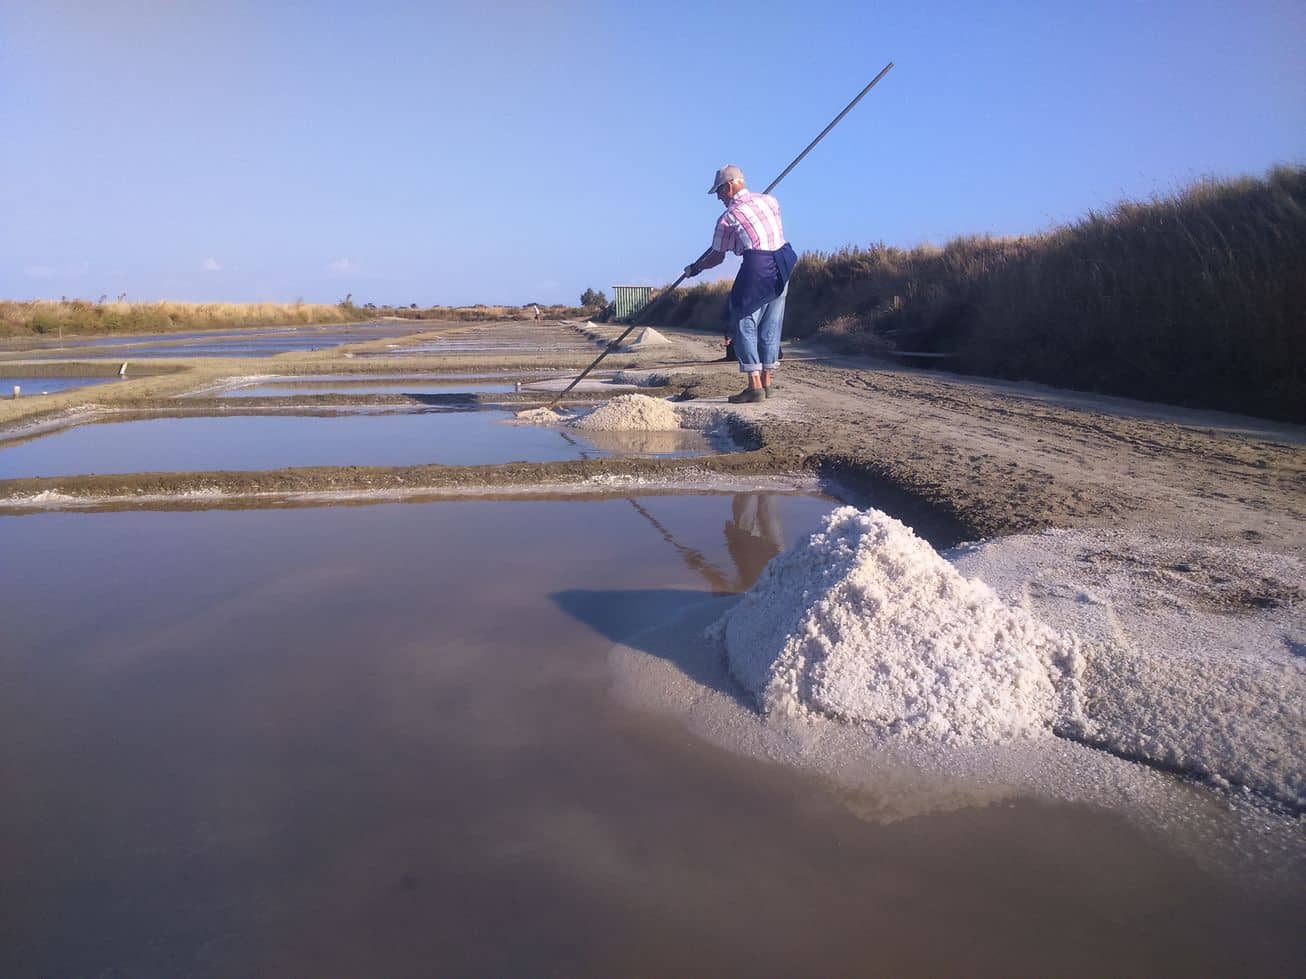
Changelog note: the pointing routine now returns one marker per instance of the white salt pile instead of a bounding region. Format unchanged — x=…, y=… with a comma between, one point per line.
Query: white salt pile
x=647, y=337
x=631, y=413
x=865, y=622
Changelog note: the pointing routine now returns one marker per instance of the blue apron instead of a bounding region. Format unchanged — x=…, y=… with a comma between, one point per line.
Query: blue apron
x=762, y=277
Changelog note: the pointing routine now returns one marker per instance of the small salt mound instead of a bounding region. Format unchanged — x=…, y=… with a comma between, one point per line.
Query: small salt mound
x=647, y=337
x=865, y=622
x=538, y=416
x=631, y=413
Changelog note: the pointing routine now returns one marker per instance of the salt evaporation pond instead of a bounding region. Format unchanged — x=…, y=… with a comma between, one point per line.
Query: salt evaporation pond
x=383, y=740
x=494, y=338
x=47, y=385
x=236, y=343
x=276, y=441
x=437, y=347
x=287, y=389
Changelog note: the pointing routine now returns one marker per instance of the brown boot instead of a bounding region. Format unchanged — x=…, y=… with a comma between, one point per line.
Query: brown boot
x=747, y=396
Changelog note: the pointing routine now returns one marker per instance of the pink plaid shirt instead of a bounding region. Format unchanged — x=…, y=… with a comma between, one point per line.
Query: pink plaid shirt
x=751, y=221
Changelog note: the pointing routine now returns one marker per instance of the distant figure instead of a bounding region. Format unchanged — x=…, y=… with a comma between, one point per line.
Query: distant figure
x=755, y=314
x=535, y=311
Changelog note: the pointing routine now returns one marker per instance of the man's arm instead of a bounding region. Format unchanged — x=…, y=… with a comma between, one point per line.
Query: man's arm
x=713, y=259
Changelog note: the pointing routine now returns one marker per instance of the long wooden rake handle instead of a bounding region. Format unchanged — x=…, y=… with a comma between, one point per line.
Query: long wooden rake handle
x=640, y=316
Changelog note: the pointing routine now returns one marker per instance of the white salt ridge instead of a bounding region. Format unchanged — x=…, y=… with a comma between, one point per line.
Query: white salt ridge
x=1194, y=653
x=866, y=623
x=630, y=413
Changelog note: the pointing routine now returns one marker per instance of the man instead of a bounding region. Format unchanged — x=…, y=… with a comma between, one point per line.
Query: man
x=751, y=227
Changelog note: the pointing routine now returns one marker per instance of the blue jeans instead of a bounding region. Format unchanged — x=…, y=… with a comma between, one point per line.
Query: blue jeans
x=757, y=336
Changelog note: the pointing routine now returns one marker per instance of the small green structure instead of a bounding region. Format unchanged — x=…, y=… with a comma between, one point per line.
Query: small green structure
x=629, y=300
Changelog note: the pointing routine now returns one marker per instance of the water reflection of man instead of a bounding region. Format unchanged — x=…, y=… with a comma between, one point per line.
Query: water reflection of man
x=753, y=534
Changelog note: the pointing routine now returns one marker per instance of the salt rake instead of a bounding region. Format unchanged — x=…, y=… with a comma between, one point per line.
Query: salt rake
x=643, y=313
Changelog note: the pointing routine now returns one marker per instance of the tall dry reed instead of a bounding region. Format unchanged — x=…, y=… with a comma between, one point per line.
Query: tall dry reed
x=1198, y=298
x=76, y=316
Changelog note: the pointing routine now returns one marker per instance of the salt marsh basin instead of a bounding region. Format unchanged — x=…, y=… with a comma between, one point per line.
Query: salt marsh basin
x=393, y=438
x=313, y=666
x=357, y=740
x=38, y=385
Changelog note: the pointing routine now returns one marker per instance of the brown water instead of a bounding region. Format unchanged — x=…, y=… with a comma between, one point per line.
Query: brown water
x=381, y=740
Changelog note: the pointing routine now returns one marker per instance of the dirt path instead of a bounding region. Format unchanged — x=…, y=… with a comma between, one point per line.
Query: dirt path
x=1007, y=457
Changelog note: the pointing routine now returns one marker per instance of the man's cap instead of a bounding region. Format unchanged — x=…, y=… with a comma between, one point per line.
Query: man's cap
x=726, y=174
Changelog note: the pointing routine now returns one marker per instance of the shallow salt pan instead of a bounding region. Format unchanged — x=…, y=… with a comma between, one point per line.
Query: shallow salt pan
x=276, y=441
x=36, y=386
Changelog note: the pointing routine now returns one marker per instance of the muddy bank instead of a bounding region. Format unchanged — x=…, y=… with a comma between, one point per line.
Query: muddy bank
x=383, y=479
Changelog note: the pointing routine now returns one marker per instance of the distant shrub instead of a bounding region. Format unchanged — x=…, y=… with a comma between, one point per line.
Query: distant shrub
x=593, y=299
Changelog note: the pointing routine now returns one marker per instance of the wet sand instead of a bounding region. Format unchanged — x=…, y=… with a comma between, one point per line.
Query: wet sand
x=360, y=741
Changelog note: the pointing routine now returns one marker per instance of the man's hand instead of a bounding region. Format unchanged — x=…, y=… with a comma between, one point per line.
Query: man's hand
x=692, y=269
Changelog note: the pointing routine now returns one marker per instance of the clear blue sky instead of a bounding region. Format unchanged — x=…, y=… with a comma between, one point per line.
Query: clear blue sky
x=507, y=151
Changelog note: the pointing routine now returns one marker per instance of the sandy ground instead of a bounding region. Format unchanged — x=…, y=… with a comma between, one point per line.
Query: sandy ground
x=1004, y=457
